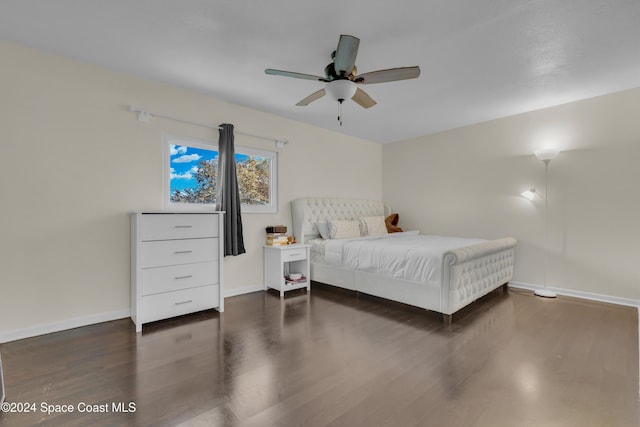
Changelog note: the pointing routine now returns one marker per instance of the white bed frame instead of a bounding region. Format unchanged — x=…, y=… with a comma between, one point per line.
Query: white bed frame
x=468, y=273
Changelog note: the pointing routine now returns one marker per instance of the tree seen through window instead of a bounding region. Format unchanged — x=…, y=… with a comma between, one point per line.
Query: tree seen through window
x=194, y=176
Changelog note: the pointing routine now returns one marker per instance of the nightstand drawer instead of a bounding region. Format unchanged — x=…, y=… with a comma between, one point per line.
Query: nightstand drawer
x=174, y=252
x=169, y=304
x=166, y=279
x=294, y=254
x=178, y=226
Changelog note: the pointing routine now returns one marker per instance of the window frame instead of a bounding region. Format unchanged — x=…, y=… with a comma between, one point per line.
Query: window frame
x=170, y=139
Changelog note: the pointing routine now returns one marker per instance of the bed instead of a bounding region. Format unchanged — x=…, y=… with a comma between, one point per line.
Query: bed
x=445, y=280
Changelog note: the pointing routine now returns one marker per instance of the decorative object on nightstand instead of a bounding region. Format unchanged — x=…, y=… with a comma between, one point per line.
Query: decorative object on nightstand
x=546, y=155
x=176, y=264
x=287, y=267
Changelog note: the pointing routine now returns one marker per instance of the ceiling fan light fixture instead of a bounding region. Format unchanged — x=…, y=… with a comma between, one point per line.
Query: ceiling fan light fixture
x=341, y=90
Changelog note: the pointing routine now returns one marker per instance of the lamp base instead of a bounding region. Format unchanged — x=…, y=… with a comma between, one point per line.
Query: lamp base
x=545, y=293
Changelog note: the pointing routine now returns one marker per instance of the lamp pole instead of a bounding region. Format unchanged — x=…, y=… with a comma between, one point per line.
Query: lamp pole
x=546, y=156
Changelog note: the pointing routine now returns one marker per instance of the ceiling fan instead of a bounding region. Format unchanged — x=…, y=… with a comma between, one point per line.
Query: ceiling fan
x=342, y=79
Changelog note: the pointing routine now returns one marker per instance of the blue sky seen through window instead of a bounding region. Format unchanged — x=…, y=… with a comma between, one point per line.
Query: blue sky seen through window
x=190, y=161
x=184, y=163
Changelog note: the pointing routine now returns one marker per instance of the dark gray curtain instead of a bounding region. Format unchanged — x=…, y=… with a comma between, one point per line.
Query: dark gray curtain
x=228, y=196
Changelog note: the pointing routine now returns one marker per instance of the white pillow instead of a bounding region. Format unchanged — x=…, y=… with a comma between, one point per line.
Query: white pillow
x=340, y=229
x=323, y=229
x=373, y=226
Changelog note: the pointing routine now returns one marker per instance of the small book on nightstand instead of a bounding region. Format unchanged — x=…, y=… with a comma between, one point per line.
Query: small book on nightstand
x=276, y=229
x=290, y=281
x=277, y=235
x=277, y=239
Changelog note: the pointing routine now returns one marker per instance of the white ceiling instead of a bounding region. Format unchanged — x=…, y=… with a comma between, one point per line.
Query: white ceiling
x=480, y=59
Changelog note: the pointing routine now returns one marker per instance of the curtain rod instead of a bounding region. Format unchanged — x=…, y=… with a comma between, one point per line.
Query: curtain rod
x=146, y=115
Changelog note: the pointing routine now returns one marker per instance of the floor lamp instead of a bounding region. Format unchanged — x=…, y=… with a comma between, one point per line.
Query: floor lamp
x=546, y=155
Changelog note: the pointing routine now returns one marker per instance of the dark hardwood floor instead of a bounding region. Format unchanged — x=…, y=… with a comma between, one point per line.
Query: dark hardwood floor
x=336, y=358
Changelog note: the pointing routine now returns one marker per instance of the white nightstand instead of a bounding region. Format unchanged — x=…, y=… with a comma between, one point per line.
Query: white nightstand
x=279, y=261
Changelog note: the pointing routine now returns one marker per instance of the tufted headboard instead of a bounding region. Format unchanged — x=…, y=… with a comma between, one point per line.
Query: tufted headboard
x=309, y=210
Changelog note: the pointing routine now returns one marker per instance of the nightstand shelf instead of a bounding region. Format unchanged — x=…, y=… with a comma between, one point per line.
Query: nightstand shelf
x=279, y=261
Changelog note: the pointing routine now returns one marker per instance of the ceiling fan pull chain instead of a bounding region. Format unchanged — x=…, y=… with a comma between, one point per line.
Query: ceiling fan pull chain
x=340, y=101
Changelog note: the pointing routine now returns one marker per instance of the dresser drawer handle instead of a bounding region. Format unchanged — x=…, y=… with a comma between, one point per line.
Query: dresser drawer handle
x=184, y=226
x=182, y=252
x=184, y=302
x=183, y=277
x=298, y=254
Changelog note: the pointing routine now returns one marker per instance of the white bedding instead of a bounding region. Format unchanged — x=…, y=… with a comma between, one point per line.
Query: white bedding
x=408, y=256
x=318, y=247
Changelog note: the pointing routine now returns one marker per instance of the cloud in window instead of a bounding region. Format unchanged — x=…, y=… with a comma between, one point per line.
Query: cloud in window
x=187, y=158
x=177, y=149
x=184, y=175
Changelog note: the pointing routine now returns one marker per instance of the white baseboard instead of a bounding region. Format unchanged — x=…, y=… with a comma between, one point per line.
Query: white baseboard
x=47, y=328
x=579, y=294
x=240, y=291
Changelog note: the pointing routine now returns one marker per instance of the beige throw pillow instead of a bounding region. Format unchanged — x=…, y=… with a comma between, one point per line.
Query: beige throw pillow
x=373, y=226
x=340, y=229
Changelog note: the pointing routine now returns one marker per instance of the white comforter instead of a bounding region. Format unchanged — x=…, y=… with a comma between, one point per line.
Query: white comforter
x=408, y=255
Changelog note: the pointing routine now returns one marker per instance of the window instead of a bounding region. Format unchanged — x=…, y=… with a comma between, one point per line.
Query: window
x=191, y=175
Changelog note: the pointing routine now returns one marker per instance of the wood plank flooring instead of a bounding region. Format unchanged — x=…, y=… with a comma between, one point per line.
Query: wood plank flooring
x=337, y=358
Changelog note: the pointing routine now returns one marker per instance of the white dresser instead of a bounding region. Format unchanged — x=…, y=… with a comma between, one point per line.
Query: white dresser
x=176, y=264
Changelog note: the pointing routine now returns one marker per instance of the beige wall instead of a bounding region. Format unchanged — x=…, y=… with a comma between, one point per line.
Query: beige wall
x=74, y=162
x=467, y=182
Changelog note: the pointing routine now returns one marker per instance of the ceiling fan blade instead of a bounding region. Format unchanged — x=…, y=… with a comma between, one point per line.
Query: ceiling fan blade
x=309, y=99
x=363, y=99
x=294, y=75
x=390, y=75
x=346, y=54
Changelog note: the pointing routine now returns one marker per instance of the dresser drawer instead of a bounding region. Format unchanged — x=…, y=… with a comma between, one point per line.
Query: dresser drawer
x=177, y=226
x=177, y=303
x=174, y=252
x=293, y=254
x=166, y=279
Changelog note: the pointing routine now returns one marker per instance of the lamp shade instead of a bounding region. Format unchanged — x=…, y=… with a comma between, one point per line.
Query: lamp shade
x=341, y=89
x=529, y=194
x=547, y=154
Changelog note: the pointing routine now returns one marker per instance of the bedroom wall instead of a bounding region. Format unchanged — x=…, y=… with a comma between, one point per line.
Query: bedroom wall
x=467, y=182
x=75, y=162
